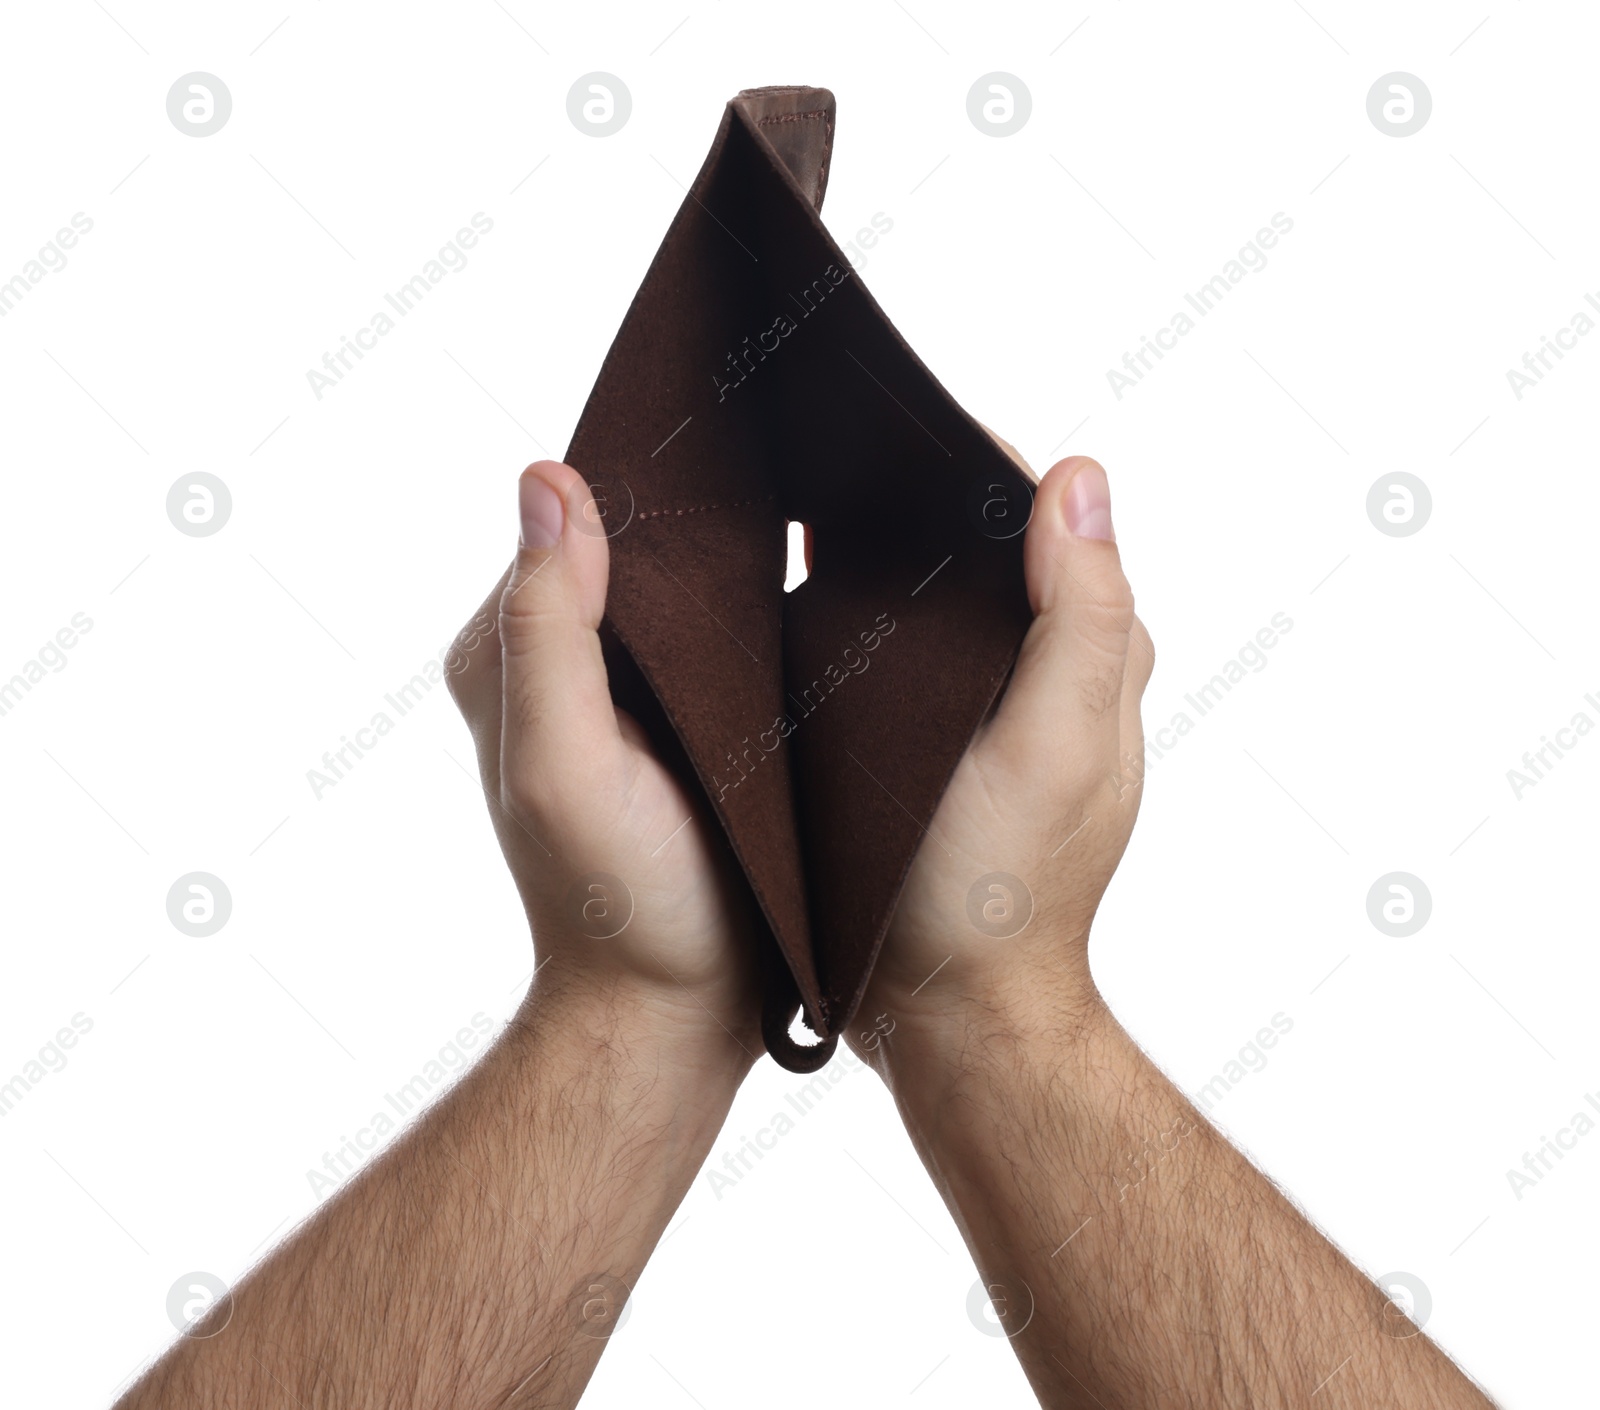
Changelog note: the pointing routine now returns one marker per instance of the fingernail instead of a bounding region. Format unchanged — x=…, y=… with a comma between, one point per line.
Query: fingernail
x=542, y=513
x=1088, y=505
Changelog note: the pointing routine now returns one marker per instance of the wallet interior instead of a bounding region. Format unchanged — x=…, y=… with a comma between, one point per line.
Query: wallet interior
x=754, y=382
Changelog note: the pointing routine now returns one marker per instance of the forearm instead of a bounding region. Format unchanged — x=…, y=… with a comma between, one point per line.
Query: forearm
x=1162, y=1267
x=481, y=1262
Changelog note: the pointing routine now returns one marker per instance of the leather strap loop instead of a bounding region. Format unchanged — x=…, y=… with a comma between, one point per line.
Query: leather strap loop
x=779, y=1006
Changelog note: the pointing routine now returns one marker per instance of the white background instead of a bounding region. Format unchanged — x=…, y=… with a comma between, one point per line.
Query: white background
x=369, y=925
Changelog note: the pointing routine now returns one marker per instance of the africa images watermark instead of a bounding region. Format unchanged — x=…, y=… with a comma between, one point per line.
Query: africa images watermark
x=1536, y=364
x=1251, y=659
x=51, y=259
x=1251, y=259
x=866, y=238
x=404, y=1102
x=338, y=763
x=1541, y=1161
x=1537, y=763
x=52, y=656
x=451, y=259
x=50, y=1058
x=744, y=360
x=738, y=1161
x=750, y=756
x=1252, y=1057
x=1141, y=1163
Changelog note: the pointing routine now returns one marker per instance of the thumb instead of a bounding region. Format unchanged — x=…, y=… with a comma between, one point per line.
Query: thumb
x=558, y=719
x=1067, y=686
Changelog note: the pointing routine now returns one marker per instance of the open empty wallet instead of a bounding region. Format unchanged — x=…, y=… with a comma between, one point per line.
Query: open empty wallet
x=755, y=382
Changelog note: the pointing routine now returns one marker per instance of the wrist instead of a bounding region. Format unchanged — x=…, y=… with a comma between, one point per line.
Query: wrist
x=633, y=1027
x=986, y=1023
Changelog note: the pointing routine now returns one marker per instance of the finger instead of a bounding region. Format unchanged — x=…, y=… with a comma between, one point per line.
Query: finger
x=559, y=722
x=472, y=664
x=1063, y=703
x=1141, y=662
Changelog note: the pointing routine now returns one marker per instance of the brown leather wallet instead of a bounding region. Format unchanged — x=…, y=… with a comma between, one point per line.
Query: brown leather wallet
x=755, y=381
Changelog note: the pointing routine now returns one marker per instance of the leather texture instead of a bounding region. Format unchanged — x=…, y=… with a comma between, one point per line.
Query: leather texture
x=755, y=381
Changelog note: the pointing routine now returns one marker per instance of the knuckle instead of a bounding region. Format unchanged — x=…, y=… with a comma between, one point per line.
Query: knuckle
x=464, y=658
x=530, y=594
x=1141, y=657
x=459, y=686
x=526, y=624
x=1100, y=628
x=1103, y=613
x=1114, y=597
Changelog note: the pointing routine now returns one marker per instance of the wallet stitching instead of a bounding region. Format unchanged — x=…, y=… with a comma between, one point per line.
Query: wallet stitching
x=701, y=508
x=827, y=143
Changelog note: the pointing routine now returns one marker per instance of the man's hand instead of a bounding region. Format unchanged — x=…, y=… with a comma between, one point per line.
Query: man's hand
x=482, y=1261
x=624, y=884
x=1045, y=798
x=1135, y=1258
